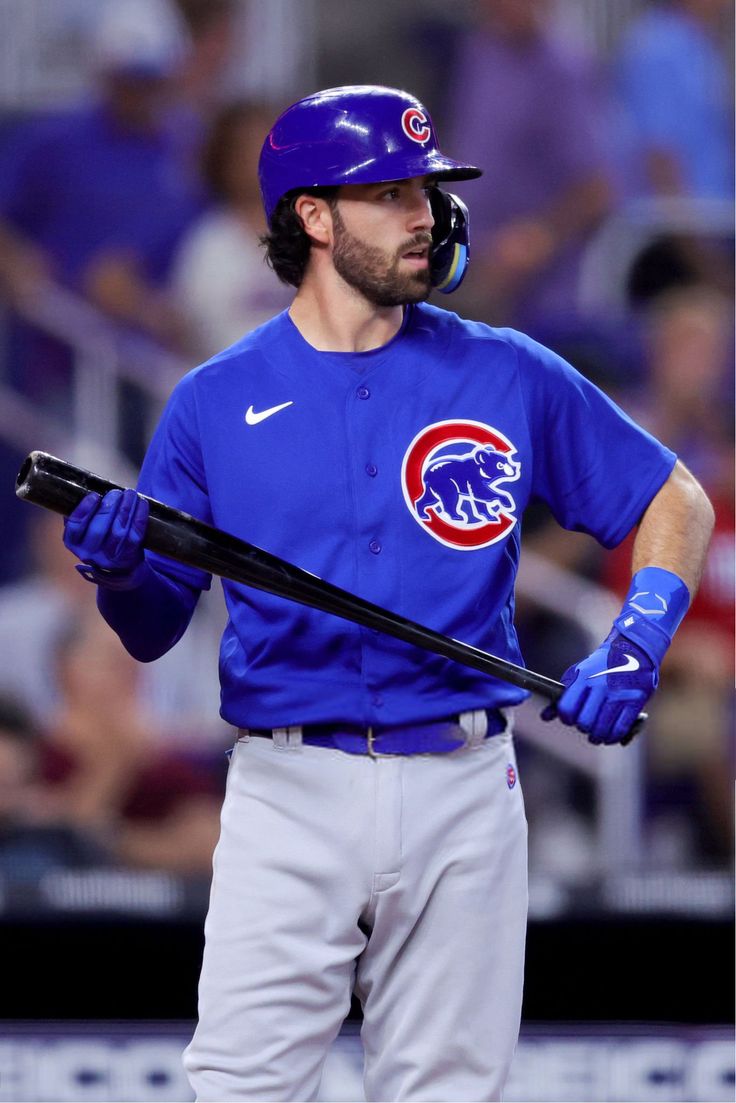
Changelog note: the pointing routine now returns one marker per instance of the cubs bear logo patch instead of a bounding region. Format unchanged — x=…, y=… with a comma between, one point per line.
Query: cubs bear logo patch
x=451, y=477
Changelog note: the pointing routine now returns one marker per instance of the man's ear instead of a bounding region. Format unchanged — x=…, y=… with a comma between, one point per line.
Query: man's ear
x=315, y=216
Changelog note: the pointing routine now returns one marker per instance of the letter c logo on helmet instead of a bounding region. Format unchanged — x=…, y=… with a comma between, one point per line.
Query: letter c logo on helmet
x=415, y=125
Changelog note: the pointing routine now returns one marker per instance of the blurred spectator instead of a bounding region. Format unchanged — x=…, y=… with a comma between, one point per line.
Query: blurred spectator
x=674, y=85
x=531, y=114
x=34, y=610
x=211, y=25
x=97, y=198
x=688, y=405
x=674, y=82
x=32, y=843
x=105, y=771
x=220, y=281
x=685, y=401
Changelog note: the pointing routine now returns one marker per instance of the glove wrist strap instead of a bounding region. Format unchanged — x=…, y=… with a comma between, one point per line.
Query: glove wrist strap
x=653, y=611
x=113, y=580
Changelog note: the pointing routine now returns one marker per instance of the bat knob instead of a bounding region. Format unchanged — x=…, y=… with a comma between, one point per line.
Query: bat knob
x=636, y=727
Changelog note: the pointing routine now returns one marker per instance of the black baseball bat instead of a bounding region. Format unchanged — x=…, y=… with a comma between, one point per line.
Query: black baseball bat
x=58, y=485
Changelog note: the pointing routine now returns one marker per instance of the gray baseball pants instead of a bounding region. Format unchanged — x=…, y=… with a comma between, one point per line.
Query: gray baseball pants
x=404, y=877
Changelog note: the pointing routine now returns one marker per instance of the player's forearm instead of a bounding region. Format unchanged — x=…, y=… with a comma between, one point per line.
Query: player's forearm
x=150, y=618
x=675, y=530
x=605, y=692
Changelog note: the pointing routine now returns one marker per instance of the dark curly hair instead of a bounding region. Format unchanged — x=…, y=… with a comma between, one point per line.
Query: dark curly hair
x=287, y=243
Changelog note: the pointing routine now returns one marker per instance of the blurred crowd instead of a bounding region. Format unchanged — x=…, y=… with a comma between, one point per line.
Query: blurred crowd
x=142, y=201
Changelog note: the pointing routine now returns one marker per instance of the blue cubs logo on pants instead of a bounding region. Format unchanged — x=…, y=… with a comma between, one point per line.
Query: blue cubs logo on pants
x=451, y=478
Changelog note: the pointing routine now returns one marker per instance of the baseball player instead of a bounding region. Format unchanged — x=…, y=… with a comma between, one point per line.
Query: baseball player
x=373, y=834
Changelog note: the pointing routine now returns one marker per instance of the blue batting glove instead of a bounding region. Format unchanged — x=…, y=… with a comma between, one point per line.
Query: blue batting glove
x=606, y=692
x=107, y=535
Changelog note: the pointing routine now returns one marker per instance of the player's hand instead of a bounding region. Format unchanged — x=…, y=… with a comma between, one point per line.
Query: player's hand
x=606, y=692
x=107, y=535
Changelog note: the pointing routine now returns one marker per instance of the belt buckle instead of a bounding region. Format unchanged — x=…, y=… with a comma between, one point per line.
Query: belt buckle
x=370, y=742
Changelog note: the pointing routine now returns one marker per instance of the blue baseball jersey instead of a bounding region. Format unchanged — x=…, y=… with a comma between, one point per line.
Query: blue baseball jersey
x=400, y=474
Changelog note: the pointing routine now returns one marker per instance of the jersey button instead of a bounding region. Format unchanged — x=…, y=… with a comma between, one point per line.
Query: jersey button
x=377, y=700
x=363, y=392
x=371, y=469
x=375, y=546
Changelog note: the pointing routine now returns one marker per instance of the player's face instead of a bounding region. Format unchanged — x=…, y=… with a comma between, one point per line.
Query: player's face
x=382, y=238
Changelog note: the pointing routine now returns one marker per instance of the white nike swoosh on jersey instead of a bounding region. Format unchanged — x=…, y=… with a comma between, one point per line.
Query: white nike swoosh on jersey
x=253, y=418
x=630, y=664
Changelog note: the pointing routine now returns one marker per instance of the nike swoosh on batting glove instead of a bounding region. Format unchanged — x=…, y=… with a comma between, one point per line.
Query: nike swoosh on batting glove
x=107, y=535
x=606, y=691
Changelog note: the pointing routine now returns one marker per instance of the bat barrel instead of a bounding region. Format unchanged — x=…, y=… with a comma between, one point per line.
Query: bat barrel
x=58, y=485
x=55, y=484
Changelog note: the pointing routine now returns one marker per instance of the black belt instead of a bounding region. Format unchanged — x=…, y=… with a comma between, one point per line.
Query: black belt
x=433, y=737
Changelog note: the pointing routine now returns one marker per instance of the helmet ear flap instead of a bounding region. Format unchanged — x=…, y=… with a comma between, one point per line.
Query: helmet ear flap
x=441, y=206
x=450, y=235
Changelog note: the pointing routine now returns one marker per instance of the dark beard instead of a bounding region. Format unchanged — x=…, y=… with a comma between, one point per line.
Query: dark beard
x=365, y=268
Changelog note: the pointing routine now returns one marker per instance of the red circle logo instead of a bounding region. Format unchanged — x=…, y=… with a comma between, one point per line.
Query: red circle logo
x=455, y=477
x=415, y=125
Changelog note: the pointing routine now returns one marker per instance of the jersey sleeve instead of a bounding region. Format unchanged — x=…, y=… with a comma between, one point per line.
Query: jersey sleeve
x=592, y=464
x=173, y=473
